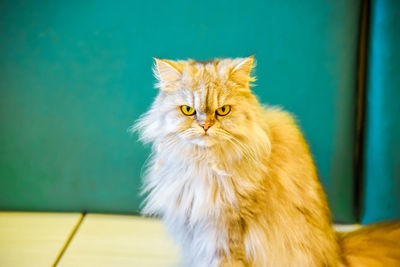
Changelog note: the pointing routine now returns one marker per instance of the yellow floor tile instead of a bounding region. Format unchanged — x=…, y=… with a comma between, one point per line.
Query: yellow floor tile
x=109, y=240
x=346, y=227
x=33, y=239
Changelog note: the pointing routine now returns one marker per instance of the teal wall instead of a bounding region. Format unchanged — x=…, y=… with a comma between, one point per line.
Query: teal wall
x=381, y=190
x=76, y=74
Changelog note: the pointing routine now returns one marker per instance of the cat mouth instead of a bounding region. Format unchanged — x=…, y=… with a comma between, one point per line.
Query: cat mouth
x=204, y=140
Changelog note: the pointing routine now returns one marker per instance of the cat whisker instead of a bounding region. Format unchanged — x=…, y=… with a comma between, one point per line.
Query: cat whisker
x=237, y=147
x=245, y=151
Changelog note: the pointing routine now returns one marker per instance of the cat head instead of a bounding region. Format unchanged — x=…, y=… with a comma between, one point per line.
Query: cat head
x=201, y=103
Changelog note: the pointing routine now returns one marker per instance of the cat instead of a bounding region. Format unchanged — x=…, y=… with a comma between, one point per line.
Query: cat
x=234, y=181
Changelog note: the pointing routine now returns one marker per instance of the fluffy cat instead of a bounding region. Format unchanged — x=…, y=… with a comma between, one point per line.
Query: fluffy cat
x=232, y=180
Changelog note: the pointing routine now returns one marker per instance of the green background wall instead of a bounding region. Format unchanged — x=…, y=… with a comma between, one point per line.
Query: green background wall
x=76, y=74
x=381, y=190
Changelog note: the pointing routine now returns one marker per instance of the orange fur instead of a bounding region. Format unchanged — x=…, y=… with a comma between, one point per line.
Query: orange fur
x=247, y=192
x=373, y=245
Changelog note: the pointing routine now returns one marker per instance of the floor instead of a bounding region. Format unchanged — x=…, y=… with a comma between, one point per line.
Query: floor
x=73, y=239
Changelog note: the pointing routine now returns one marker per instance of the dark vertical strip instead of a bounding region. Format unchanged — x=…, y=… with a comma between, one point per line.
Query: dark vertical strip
x=381, y=178
x=360, y=107
x=71, y=236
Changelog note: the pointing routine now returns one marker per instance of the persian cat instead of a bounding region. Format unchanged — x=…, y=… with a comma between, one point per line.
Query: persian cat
x=234, y=181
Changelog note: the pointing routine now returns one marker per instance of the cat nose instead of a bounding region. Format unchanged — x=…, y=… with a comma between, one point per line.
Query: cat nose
x=206, y=126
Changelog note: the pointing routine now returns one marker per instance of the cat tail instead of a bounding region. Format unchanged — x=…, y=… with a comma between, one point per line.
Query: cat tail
x=373, y=245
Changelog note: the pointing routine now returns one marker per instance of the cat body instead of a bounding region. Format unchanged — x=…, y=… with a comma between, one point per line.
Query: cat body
x=232, y=180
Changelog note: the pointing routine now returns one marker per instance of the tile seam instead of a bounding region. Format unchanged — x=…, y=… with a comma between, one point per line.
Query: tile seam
x=68, y=241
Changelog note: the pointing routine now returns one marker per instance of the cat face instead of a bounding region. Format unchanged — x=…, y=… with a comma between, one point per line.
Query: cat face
x=203, y=112
x=201, y=103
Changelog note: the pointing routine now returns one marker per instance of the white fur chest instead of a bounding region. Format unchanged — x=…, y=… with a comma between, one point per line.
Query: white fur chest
x=192, y=197
x=194, y=188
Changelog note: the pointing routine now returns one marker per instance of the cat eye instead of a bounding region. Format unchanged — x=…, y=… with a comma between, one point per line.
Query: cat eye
x=224, y=110
x=187, y=110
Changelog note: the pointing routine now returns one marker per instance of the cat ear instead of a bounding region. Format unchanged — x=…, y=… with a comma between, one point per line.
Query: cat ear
x=167, y=70
x=240, y=72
